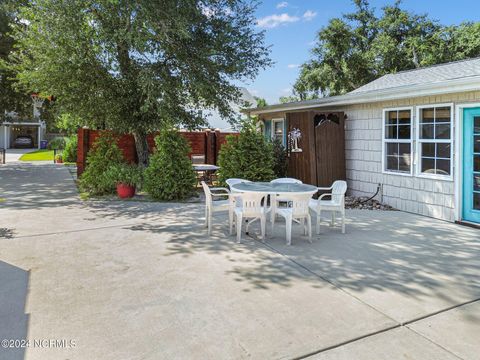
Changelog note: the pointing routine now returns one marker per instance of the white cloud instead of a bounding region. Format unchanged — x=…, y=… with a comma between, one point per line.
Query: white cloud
x=282, y=4
x=254, y=92
x=293, y=66
x=275, y=20
x=309, y=15
x=287, y=91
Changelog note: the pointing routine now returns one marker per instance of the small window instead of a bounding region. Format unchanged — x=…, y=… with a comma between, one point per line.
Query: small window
x=278, y=130
x=398, y=141
x=435, y=140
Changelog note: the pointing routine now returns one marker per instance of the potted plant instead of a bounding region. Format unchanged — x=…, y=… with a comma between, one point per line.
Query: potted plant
x=58, y=159
x=126, y=177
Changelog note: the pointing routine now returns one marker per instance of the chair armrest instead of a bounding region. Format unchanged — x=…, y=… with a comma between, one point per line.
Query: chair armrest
x=323, y=195
x=220, y=189
x=324, y=188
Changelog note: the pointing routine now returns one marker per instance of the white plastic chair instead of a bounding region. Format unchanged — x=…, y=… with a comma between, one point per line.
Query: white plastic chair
x=212, y=206
x=297, y=209
x=286, y=181
x=335, y=204
x=277, y=200
x=235, y=201
x=251, y=207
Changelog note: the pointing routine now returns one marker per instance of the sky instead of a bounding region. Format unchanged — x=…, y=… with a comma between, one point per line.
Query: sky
x=291, y=28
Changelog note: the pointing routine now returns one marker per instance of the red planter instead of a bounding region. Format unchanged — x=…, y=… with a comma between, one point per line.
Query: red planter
x=125, y=191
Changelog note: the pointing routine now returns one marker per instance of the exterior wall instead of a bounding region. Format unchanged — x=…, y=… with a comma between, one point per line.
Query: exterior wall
x=363, y=153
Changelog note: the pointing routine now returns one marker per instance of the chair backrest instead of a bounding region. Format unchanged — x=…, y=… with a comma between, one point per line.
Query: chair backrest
x=252, y=203
x=298, y=202
x=198, y=159
x=339, y=188
x=208, y=193
x=287, y=181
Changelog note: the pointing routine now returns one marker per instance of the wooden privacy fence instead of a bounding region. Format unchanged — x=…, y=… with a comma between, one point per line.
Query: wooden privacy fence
x=206, y=143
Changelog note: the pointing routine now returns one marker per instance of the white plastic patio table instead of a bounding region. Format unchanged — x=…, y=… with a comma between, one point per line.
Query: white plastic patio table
x=274, y=189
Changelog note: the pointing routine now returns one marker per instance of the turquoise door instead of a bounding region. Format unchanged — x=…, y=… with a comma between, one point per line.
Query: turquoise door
x=471, y=165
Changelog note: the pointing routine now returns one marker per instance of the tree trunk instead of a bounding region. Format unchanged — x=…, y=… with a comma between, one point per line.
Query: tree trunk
x=141, y=146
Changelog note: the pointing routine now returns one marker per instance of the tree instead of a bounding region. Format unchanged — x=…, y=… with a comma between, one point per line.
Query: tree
x=11, y=99
x=287, y=99
x=261, y=102
x=360, y=47
x=247, y=156
x=139, y=66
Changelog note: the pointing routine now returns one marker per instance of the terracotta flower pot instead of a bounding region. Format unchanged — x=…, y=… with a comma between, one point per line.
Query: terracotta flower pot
x=125, y=191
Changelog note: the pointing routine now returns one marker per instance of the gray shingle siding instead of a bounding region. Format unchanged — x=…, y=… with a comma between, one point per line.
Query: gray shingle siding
x=363, y=153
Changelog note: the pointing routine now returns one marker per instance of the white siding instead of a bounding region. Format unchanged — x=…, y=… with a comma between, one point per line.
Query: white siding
x=363, y=153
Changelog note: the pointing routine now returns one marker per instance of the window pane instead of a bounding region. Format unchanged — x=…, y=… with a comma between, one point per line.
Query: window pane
x=392, y=117
x=391, y=132
x=404, y=149
x=404, y=117
x=392, y=163
x=427, y=132
x=476, y=162
x=428, y=166
x=428, y=150
x=476, y=144
x=404, y=163
x=476, y=201
x=442, y=114
x=278, y=127
x=476, y=124
x=443, y=167
x=404, y=132
x=427, y=115
x=476, y=182
x=443, y=150
x=392, y=149
x=442, y=131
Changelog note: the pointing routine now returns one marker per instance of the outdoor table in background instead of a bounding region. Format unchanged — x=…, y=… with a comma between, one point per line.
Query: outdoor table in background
x=205, y=172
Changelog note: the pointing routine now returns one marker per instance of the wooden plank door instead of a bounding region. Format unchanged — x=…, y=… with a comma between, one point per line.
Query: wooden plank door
x=302, y=165
x=329, y=148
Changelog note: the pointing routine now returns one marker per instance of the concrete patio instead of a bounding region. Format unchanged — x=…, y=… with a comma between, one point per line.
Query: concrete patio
x=140, y=280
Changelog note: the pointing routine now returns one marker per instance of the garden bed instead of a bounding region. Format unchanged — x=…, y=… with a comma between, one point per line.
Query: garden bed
x=353, y=202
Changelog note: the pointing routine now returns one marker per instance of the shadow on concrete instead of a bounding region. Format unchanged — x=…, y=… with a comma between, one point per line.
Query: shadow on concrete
x=13, y=320
x=36, y=186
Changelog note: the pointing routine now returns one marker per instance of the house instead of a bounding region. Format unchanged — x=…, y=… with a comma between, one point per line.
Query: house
x=413, y=136
x=26, y=133
x=216, y=121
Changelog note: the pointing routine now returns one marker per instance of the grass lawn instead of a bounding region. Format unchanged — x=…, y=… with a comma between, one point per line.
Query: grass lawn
x=38, y=155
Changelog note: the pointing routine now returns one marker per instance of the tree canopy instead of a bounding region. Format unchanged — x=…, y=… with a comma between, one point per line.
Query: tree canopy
x=11, y=99
x=361, y=46
x=138, y=66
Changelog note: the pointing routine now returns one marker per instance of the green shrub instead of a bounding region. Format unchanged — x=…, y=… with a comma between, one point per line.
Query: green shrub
x=104, y=153
x=57, y=142
x=70, y=152
x=279, y=158
x=128, y=174
x=246, y=156
x=170, y=175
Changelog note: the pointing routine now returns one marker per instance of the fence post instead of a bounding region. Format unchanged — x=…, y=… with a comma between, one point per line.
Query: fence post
x=82, y=149
x=210, y=157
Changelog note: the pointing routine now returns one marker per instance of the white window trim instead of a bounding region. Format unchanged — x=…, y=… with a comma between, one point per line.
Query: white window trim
x=404, y=141
x=418, y=142
x=272, y=130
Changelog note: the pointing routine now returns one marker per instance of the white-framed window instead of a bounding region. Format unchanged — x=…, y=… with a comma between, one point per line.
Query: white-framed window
x=278, y=130
x=434, y=141
x=397, y=141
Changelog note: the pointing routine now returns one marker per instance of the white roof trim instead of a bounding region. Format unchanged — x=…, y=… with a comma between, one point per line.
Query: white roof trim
x=400, y=92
